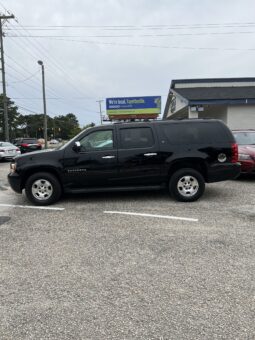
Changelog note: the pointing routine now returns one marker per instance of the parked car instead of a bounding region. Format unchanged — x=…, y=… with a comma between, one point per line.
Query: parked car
x=178, y=155
x=53, y=141
x=27, y=144
x=8, y=151
x=246, y=149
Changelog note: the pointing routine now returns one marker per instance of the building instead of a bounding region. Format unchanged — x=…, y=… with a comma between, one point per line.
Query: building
x=229, y=99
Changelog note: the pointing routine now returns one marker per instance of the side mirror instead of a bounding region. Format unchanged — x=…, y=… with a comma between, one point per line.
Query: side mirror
x=77, y=146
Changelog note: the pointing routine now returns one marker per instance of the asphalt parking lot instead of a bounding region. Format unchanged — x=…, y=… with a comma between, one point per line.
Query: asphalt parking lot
x=87, y=271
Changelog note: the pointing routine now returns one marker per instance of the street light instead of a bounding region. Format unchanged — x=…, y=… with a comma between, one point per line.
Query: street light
x=44, y=104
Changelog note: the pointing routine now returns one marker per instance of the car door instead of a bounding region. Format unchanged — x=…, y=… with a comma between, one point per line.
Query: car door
x=138, y=158
x=94, y=164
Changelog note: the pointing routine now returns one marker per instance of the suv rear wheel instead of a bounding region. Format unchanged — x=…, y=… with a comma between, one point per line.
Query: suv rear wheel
x=43, y=188
x=187, y=185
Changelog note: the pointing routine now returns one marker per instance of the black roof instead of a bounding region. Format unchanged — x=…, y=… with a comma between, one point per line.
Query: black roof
x=211, y=93
x=214, y=94
x=211, y=80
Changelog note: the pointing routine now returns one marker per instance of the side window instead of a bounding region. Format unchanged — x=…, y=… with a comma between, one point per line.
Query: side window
x=192, y=133
x=136, y=138
x=97, y=140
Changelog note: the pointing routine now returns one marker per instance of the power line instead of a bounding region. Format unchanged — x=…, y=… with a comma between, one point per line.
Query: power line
x=29, y=110
x=155, y=46
x=24, y=80
x=56, y=63
x=140, y=27
x=37, y=57
x=132, y=36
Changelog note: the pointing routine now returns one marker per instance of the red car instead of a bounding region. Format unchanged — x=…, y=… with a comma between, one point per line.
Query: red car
x=246, y=149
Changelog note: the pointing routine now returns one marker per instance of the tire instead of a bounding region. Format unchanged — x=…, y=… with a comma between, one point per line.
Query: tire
x=187, y=185
x=43, y=188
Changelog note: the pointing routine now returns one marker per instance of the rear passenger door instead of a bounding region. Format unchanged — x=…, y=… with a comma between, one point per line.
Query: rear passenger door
x=138, y=156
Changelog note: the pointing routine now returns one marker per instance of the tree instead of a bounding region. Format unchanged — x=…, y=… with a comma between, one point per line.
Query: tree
x=67, y=126
x=13, y=116
x=31, y=125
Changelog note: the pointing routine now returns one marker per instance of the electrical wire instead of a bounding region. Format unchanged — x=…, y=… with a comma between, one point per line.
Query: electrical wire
x=133, y=36
x=155, y=46
x=55, y=62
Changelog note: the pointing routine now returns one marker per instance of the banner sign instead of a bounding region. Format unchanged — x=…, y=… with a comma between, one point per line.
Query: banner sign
x=133, y=107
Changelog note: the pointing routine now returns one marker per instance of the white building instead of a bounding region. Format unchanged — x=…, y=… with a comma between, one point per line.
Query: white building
x=229, y=99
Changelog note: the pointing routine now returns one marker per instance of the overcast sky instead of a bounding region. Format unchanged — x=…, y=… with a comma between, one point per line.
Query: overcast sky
x=115, y=48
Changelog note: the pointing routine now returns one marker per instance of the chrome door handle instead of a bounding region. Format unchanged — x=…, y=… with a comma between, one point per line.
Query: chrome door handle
x=108, y=157
x=150, y=154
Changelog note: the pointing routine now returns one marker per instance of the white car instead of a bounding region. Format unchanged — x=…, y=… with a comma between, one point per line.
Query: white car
x=54, y=141
x=8, y=150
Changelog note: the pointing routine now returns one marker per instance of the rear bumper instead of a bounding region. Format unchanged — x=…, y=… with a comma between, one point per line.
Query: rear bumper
x=248, y=166
x=222, y=172
x=15, y=182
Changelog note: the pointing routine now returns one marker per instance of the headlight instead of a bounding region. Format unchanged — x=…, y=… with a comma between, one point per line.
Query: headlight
x=13, y=167
x=244, y=157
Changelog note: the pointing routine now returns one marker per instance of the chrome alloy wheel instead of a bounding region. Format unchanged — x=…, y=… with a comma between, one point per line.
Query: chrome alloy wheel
x=187, y=186
x=42, y=189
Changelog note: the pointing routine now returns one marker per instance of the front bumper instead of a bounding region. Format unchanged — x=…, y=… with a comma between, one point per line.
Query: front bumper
x=223, y=172
x=15, y=182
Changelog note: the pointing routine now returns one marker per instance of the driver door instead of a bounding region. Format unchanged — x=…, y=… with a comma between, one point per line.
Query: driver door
x=95, y=163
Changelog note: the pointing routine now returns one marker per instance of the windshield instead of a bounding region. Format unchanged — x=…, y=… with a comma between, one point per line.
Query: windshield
x=245, y=138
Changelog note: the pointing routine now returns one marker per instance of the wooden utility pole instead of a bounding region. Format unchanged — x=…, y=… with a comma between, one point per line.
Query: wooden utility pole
x=5, y=106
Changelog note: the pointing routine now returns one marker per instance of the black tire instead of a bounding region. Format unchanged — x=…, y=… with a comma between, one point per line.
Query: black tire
x=44, y=196
x=189, y=189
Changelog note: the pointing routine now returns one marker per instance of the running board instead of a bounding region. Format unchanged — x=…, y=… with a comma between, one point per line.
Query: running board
x=115, y=189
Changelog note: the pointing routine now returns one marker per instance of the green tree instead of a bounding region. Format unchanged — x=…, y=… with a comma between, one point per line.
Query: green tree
x=67, y=126
x=13, y=116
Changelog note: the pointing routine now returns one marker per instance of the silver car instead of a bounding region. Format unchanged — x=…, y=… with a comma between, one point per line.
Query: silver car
x=8, y=150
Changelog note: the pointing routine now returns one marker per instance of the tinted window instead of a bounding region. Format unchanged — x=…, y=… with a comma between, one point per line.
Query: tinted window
x=97, y=140
x=136, y=138
x=192, y=133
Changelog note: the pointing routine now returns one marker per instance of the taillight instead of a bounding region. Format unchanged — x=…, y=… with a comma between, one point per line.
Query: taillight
x=17, y=149
x=24, y=145
x=234, y=150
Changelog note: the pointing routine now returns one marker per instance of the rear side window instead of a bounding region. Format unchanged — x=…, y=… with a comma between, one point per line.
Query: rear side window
x=141, y=137
x=200, y=133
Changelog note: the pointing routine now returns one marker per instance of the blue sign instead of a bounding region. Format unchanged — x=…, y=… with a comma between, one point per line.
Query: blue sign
x=133, y=106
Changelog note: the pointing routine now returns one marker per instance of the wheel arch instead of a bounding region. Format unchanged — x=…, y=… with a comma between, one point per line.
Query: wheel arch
x=193, y=163
x=27, y=173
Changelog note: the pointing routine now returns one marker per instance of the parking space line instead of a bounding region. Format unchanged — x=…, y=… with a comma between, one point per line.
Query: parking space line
x=30, y=207
x=153, y=215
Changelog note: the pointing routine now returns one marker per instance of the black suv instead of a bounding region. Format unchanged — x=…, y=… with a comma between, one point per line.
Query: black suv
x=27, y=144
x=178, y=155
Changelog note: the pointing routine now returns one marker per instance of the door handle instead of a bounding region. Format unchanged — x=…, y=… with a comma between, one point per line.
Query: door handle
x=150, y=154
x=108, y=157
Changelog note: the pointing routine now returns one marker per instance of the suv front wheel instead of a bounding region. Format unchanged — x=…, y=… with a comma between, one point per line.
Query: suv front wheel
x=43, y=188
x=186, y=185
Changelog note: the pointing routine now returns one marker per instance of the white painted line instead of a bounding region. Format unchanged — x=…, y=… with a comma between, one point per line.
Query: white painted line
x=30, y=207
x=152, y=215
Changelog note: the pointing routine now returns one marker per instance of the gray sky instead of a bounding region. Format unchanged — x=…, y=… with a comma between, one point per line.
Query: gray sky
x=121, y=48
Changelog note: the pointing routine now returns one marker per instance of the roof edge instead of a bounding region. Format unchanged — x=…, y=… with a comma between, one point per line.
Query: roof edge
x=210, y=80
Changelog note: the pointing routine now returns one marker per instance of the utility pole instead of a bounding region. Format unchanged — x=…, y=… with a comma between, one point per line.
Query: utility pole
x=100, y=110
x=5, y=106
x=44, y=106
